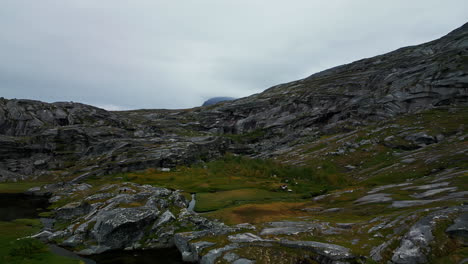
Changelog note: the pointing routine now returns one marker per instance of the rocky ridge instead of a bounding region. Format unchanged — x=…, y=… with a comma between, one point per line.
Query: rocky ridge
x=84, y=140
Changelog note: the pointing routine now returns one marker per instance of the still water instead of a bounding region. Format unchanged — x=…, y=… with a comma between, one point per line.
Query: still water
x=16, y=205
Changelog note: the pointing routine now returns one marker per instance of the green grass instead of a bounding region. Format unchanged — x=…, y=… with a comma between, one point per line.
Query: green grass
x=260, y=212
x=18, y=187
x=14, y=250
x=218, y=200
x=233, y=173
x=233, y=181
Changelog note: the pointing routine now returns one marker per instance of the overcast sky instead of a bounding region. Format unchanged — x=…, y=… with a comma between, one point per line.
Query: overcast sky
x=175, y=54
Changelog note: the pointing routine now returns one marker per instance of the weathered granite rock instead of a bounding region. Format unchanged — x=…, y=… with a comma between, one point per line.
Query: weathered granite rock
x=243, y=261
x=195, y=251
x=165, y=218
x=190, y=251
x=43, y=235
x=374, y=198
x=245, y=238
x=415, y=245
x=427, y=186
x=433, y=192
x=230, y=257
x=410, y=203
x=138, y=218
x=376, y=252
x=326, y=252
x=333, y=210
x=214, y=254
x=72, y=210
x=459, y=228
x=122, y=226
x=289, y=228
x=421, y=138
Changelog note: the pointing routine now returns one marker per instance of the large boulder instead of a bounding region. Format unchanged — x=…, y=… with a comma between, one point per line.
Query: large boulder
x=121, y=227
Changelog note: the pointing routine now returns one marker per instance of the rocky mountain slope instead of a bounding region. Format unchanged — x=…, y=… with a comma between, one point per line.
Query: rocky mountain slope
x=366, y=162
x=336, y=100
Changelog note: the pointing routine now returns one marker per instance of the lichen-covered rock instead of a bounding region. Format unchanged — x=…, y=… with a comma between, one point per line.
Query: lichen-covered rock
x=421, y=138
x=415, y=246
x=72, y=210
x=326, y=252
x=116, y=218
x=374, y=198
x=121, y=227
x=459, y=229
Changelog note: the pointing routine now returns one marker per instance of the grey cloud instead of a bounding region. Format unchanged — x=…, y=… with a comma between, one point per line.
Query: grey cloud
x=173, y=54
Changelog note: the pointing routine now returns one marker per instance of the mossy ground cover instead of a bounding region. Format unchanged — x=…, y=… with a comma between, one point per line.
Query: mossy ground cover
x=236, y=180
x=261, y=212
x=18, y=187
x=15, y=250
x=214, y=201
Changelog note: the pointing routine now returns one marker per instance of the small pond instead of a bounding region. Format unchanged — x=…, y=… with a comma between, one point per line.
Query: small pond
x=17, y=205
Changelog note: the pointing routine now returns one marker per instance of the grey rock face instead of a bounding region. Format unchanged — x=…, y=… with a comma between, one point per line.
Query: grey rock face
x=427, y=186
x=43, y=235
x=433, y=192
x=73, y=210
x=328, y=252
x=230, y=257
x=383, y=187
x=374, y=198
x=166, y=217
x=288, y=228
x=406, y=80
x=414, y=247
x=245, y=237
x=122, y=226
x=409, y=203
x=421, y=138
x=243, y=261
x=40, y=137
x=191, y=251
x=133, y=220
x=214, y=254
x=460, y=228
x=375, y=253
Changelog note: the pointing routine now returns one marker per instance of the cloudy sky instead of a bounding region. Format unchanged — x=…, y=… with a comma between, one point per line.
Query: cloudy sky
x=132, y=54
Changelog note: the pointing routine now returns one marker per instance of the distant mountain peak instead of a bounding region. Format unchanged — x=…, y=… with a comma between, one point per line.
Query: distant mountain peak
x=216, y=100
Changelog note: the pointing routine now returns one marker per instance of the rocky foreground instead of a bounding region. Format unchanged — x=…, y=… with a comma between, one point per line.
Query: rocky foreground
x=373, y=167
x=131, y=216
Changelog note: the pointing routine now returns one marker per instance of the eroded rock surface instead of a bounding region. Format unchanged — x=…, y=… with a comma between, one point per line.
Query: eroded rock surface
x=142, y=217
x=416, y=243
